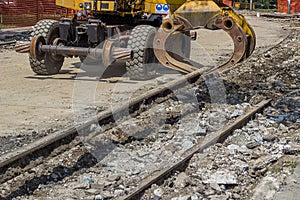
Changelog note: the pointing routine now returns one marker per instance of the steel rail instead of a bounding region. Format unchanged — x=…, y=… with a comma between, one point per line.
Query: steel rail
x=119, y=110
x=218, y=136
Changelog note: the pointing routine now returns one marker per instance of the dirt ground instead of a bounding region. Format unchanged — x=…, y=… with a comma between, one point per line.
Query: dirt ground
x=32, y=104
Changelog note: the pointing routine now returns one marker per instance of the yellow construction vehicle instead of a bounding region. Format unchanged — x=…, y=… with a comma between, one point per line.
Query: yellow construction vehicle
x=138, y=31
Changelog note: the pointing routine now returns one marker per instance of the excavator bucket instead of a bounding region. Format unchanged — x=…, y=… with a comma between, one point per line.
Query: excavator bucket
x=206, y=14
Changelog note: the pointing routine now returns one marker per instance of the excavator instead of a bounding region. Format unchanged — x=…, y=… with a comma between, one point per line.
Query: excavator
x=138, y=32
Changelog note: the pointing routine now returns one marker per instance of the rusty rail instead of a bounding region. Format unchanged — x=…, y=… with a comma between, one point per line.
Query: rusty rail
x=218, y=136
x=11, y=157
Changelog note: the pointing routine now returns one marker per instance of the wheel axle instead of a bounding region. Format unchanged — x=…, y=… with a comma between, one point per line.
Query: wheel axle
x=108, y=54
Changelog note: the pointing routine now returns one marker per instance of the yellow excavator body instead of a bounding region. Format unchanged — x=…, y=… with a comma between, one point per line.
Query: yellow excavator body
x=71, y=4
x=98, y=20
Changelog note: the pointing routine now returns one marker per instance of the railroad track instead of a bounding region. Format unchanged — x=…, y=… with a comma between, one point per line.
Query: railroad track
x=32, y=165
x=16, y=163
x=214, y=138
x=38, y=172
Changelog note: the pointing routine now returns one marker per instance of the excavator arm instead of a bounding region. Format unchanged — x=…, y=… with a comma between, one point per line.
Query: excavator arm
x=209, y=14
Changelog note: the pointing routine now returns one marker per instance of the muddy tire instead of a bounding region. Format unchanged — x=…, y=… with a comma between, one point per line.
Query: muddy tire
x=144, y=62
x=51, y=64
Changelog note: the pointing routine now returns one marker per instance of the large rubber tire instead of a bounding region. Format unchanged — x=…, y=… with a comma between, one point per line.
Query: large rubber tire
x=51, y=64
x=144, y=62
